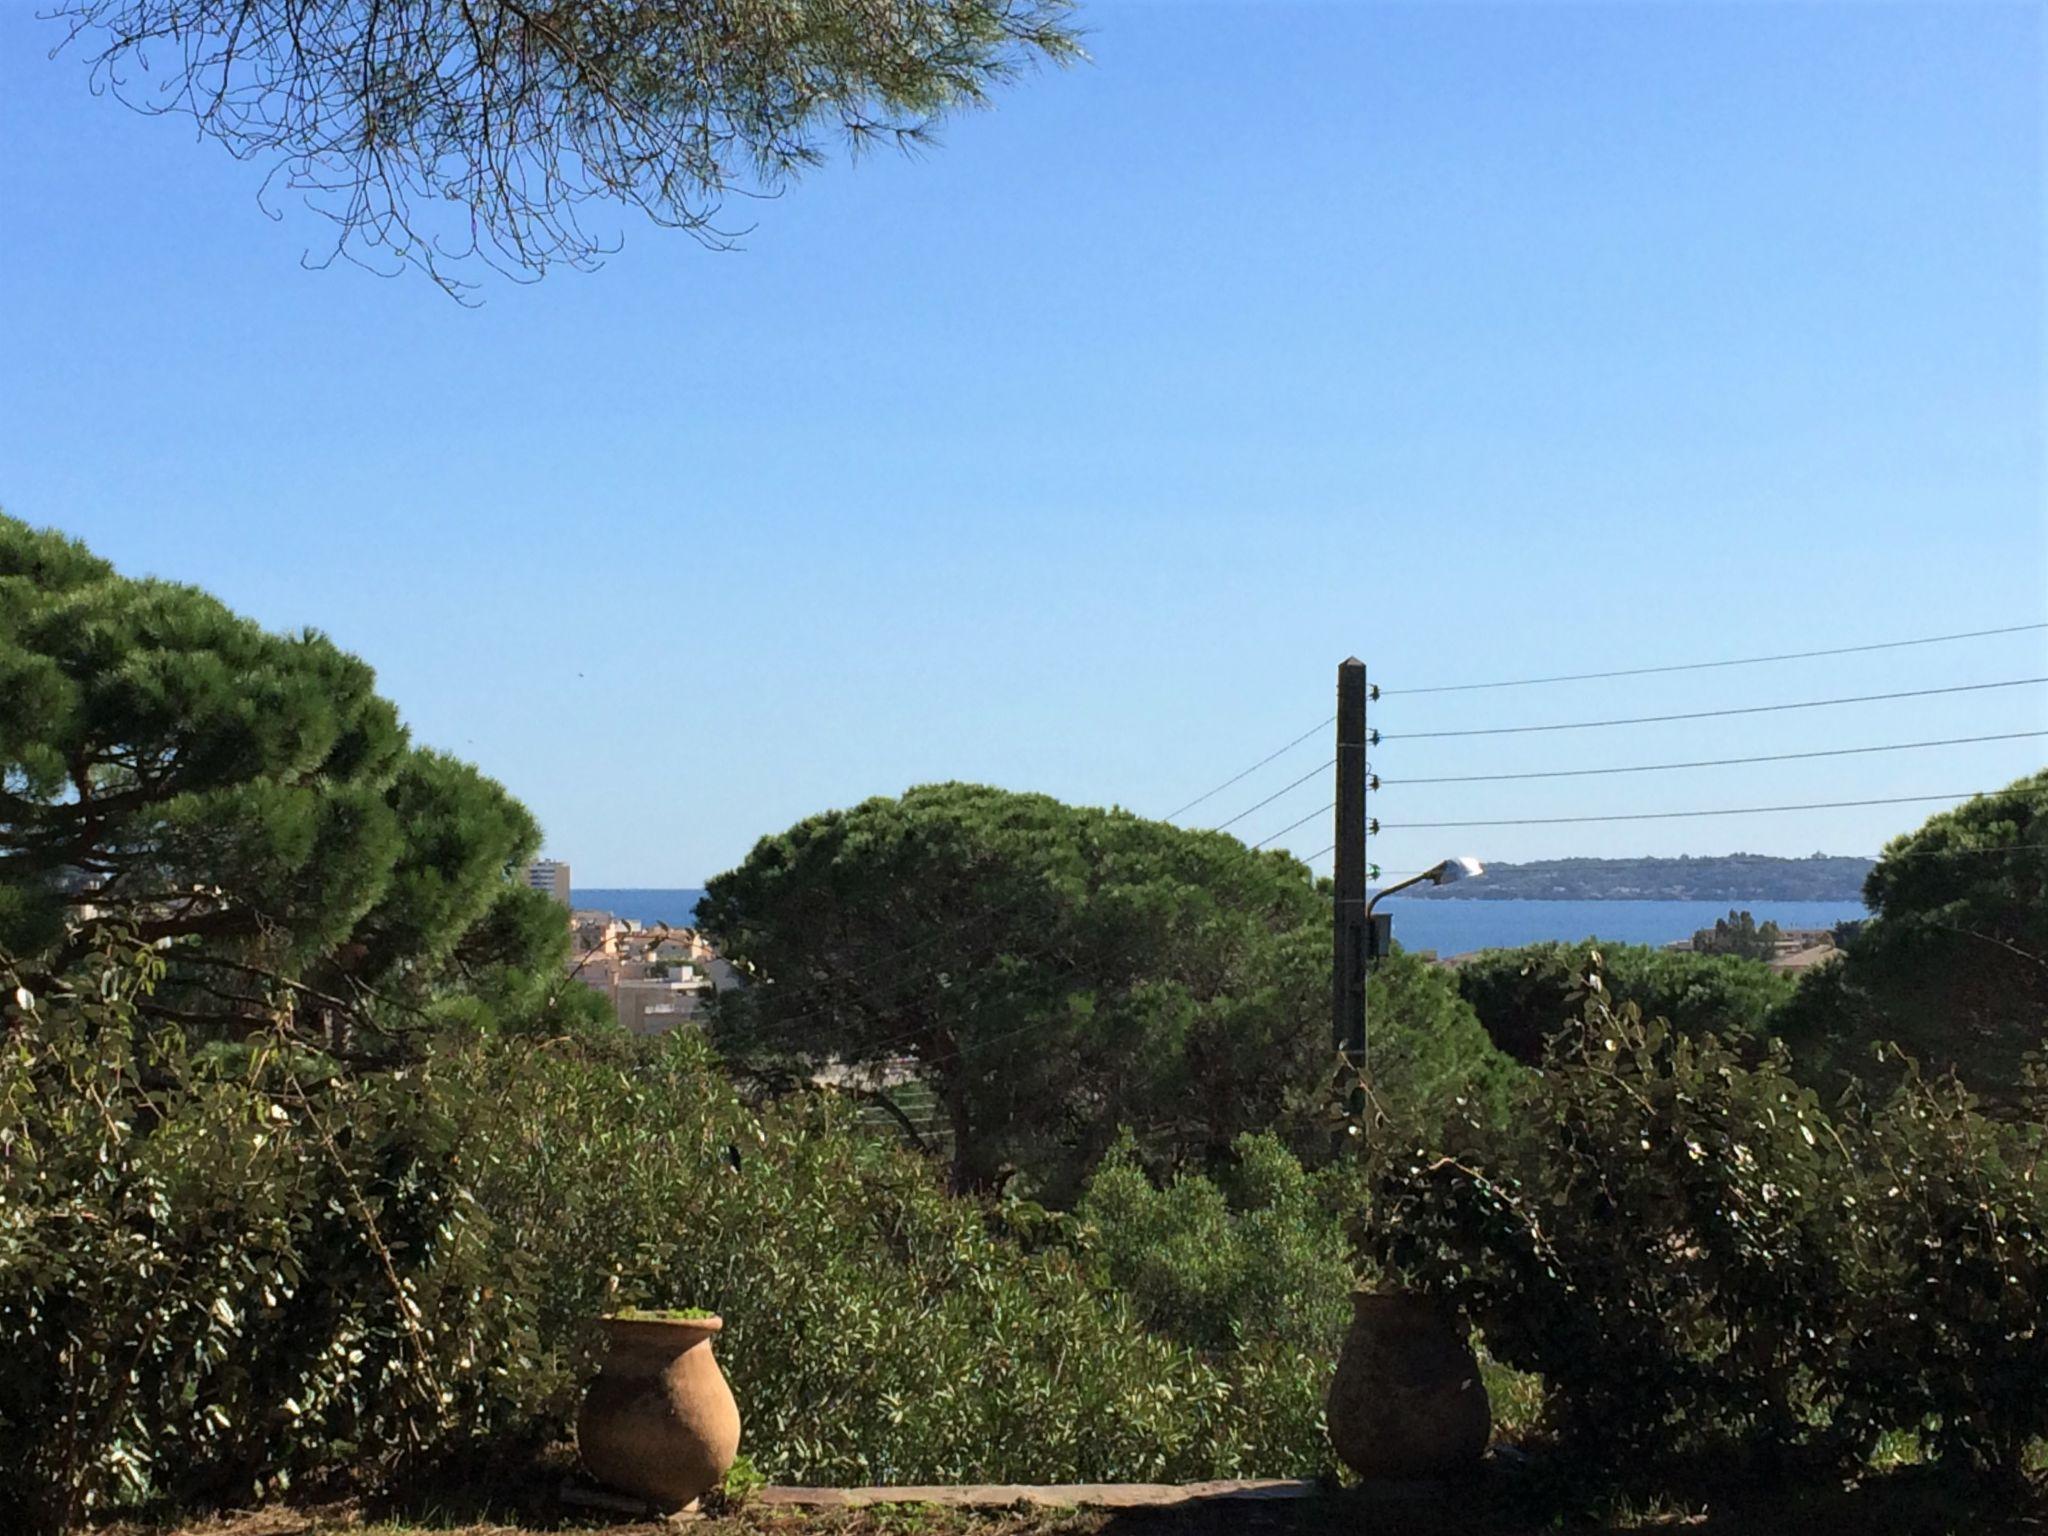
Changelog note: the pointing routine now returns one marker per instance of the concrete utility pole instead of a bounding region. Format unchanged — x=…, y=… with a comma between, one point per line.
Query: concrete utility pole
x=1352, y=949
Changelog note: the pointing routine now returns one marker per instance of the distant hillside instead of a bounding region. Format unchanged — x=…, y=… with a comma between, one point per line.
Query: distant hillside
x=1726, y=877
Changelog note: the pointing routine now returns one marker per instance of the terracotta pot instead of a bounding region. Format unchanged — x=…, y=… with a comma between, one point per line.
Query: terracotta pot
x=659, y=1421
x=1407, y=1400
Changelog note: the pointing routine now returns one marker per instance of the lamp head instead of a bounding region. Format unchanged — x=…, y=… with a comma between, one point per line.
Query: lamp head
x=1463, y=868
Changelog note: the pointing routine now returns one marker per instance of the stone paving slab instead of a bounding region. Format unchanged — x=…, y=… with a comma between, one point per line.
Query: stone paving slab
x=1042, y=1495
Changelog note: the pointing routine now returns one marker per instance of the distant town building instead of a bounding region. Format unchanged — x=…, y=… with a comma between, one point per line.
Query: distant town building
x=550, y=875
x=654, y=978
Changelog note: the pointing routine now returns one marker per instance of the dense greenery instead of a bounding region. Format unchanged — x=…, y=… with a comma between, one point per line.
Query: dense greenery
x=1058, y=972
x=1740, y=935
x=1953, y=967
x=1702, y=1261
x=1700, y=877
x=173, y=772
x=1524, y=996
x=352, y=1213
x=1255, y=1252
x=222, y=1274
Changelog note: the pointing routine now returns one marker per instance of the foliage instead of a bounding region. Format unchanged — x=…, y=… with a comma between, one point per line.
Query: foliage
x=1701, y=1261
x=1953, y=966
x=1428, y=1053
x=1057, y=972
x=665, y=1314
x=1524, y=996
x=1250, y=1264
x=1954, y=1342
x=226, y=1271
x=742, y=1481
x=222, y=1273
x=172, y=771
x=1255, y=1252
x=442, y=131
x=1738, y=934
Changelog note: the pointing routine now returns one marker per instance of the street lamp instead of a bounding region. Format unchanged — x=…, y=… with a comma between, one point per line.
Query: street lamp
x=1463, y=868
x=1379, y=940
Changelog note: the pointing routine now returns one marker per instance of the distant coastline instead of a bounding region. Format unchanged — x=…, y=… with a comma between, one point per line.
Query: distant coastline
x=1735, y=877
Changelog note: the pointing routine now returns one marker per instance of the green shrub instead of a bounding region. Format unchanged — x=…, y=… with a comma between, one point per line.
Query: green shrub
x=1523, y=996
x=1954, y=1341
x=1249, y=1267
x=225, y=1272
x=1701, y=1261
x=1255, y=1254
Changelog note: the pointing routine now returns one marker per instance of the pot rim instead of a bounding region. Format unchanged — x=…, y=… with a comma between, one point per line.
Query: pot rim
x=615, y=1323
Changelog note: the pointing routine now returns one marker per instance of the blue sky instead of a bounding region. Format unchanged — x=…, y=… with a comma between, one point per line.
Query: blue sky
x=1480, y=341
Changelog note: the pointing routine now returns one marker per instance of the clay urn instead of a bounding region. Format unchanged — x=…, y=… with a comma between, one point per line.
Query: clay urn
x=1407, y=1400
x=659, y=1421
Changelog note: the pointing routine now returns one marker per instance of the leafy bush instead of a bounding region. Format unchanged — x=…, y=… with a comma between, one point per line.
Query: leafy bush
x=1255, y=1254
x=223, y=1272
x=1657, y=1242
x=228, y=1270
x=1523, y=996
x=1954, y=1341
x=1248, y=1267
x=1699, y=1259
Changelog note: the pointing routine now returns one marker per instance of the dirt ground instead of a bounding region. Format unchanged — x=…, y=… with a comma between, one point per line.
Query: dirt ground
x=1889, y=1507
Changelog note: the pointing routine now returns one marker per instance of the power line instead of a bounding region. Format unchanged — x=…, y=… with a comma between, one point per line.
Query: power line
x=1255, y=767
x=1714, y=762
x=1736, y=810
x=1311, y=816
x=1701, y=666
x=1312, y=773
x=1914, y=853
x=1716, y=714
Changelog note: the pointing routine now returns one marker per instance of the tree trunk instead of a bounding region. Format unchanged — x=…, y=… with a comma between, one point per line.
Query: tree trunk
x=962, y=1178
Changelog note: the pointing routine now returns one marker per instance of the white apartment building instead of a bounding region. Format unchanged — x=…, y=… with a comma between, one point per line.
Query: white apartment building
x=550, y=875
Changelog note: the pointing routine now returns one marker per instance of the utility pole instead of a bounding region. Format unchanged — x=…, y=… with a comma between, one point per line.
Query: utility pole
x=1351, y=952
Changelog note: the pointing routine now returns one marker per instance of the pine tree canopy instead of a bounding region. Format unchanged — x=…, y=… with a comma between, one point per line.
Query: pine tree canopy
x=1953, y=968
x=438, y=133
x=173, y=772
x=1056, y=972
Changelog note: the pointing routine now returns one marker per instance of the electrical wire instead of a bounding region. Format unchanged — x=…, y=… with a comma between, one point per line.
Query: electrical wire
x=1701, y=666
x=1913, y=853
x=1715, y=714
x=1319, y=768
x=1311, y=816
x=1255, y=767
x=1736, y=810
x=1713, y=762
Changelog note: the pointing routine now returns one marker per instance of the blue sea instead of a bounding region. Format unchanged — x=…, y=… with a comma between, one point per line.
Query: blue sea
x=1448, y=927
x=676, y=908
x=1454, y=927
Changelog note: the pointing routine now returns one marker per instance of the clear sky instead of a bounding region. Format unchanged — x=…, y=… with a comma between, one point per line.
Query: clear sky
x=1480, y=341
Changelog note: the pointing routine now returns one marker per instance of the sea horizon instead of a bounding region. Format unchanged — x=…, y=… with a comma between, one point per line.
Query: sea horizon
x=1446, y=927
